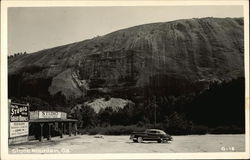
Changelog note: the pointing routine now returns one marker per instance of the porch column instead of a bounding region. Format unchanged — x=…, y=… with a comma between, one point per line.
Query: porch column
x=69, y=129
x=75, y=128
x=64, y=128
x=49, y=130
x=61, y=130
x=41, y=134
x=29, y=130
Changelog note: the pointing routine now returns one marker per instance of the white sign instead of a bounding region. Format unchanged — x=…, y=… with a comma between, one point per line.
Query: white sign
x=19, y=129
x=49, y=114
x=63, y=115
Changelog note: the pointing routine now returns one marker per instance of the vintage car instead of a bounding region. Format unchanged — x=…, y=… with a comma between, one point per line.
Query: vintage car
x=151, y=135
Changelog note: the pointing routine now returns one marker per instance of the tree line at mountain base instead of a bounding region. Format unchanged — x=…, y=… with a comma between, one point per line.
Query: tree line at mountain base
x=220, y=109
x=193, y=130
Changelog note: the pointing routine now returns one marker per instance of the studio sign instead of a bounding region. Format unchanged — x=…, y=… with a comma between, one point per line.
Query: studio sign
x=49, y=114
x=18, y=113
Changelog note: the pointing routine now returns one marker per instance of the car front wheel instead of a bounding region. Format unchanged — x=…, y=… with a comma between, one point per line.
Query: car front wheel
x=160, y=141
x=139, y=140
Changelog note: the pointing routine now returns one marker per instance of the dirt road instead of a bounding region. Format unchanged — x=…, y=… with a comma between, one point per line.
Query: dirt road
x=122, y=144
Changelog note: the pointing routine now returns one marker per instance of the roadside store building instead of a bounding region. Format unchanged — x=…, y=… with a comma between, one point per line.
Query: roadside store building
x=45, y=124
x=25, y=125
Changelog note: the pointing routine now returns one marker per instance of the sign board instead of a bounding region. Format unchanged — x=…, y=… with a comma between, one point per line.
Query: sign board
x=19, y=112
x=47, y=115
x=63, y=115
x=18, y=122
x=19, y=129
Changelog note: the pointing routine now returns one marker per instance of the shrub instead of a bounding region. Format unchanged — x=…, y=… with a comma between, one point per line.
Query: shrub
x=199, y=129
x=227, y=129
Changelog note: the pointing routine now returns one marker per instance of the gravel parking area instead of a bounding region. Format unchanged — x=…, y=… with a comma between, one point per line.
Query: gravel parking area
x=122, y=144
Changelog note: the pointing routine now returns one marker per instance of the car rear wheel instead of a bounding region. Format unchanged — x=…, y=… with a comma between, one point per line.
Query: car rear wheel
x=139, y=139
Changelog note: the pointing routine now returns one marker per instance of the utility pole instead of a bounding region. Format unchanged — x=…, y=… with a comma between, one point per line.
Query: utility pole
x=155, y=115
x=154, y=103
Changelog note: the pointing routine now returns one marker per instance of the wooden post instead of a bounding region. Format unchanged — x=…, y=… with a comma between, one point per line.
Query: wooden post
x=41, y=129
x=64, y=128
x=69, y=129
x=75, y=129
x=9, y=118
x=28, y=105
x=61, y=130
x=29, y=129
x=49, y=130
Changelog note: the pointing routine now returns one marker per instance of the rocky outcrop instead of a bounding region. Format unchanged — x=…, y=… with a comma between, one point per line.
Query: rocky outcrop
x=114, y=103
x=168, y=58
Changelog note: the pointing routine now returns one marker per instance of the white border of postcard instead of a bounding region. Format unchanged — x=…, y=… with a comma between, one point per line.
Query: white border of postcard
x=4, y=97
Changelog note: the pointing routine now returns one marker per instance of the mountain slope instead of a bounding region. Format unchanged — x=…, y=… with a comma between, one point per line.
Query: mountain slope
x=175, y=57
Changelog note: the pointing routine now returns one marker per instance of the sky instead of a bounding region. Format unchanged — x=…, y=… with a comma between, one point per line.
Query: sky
x=32, y=29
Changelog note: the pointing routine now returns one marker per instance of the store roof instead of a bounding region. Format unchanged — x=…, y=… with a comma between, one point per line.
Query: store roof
x=52, y=120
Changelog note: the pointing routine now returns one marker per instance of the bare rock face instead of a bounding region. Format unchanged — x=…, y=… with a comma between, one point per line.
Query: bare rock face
x=114, y=103
x=161, y=58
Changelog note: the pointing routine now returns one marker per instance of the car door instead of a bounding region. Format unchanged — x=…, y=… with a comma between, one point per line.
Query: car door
x=152, y=135
x=159, y=135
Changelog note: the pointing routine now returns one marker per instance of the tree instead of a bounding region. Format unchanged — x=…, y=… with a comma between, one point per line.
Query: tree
x=85, y=115
x=105, y=116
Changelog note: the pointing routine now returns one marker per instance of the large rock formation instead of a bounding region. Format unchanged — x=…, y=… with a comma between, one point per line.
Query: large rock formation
x=175, y=57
